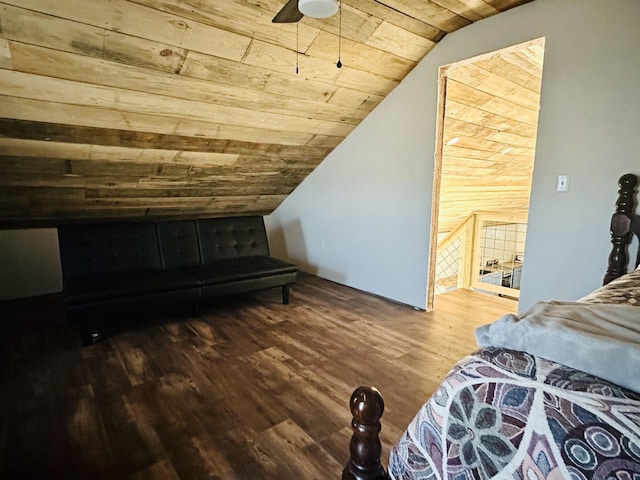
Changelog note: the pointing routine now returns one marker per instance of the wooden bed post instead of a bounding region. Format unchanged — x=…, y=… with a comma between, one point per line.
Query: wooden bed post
x=364, y=462
x=621, y=228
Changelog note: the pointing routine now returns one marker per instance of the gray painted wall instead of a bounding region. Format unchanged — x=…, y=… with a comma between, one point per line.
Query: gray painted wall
x=362, y=218
x=30, y=263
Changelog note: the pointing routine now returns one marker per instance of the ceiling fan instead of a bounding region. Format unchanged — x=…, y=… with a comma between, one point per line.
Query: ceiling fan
x=294, y=10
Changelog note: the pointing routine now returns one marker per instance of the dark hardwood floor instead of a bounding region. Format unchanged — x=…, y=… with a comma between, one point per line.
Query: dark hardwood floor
x=249, y=389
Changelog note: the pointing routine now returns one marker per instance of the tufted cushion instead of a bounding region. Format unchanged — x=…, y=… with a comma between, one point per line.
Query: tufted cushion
x=223, y=238
x=178, y=244
x=109, y=247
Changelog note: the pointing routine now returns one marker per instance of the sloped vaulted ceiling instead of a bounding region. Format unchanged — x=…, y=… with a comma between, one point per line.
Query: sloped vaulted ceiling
x=166, y=108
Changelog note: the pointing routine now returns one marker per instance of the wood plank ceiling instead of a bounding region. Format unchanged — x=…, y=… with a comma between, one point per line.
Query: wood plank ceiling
x=189, y=108
x=489, y=134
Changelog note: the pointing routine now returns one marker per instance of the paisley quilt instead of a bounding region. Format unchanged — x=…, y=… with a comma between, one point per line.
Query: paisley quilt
x=508, y=414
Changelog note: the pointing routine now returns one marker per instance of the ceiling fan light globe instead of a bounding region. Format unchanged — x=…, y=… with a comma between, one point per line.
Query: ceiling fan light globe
x=318, y=8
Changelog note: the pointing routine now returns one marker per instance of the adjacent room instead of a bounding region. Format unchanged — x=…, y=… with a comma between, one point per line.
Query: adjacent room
x=221, y=223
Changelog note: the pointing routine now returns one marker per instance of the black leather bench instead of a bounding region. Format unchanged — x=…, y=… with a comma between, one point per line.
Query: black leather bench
x=114, y=267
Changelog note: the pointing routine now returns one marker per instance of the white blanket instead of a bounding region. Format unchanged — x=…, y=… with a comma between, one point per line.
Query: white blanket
x=600, y=339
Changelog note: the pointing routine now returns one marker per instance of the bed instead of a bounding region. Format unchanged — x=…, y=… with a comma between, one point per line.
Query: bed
x=553, y=393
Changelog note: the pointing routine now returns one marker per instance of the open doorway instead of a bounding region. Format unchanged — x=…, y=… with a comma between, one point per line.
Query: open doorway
x=485, y=149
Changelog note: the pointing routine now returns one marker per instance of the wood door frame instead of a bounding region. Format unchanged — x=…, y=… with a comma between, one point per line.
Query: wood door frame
x=437, y=173
x=439, y=144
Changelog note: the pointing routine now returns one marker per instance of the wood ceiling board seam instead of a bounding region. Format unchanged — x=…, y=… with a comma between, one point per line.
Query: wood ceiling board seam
x=528, y=79
x=503, y=5
x=152, y=184
x=456, y=189
x=145, y=23
x=71, y=193
x=255, y=77
x=522, y=184
x=534, y=55
x=68, y=66
x=513, y=66
x=463, y=176
x=324, y=141
x=400, y=42
x=356, y=25
x=244, y=19
x=57, y=33
x=490, y=148
x=429, y=12
x=187, y=192
x=248, y=176
x=19, y=129
x=24, y=165
x=493, y=155
x=406, y=22
x=77, y=93
x=472, y=10
x=42, y=111
x=320, y=69
x=360, y=56
x=470, y=114
x=504, y=205
x=480, y=135
x=462, y=165
x=472, y=168
x=470, y=152
x=5, y=53
x=280, y=77
x=458, y=128
x=344, y=96
x=471, y=97
x=113, y=169
x=40, y=205
x=129, y=50
x=508, y=90
x=35, y=180
x=513, y=139
x=495, y=85
x=204, y=181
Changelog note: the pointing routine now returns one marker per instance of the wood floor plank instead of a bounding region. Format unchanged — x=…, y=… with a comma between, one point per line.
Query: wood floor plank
x=163, y=469
x=134, y=443
x=300, y=456
x=247, y=389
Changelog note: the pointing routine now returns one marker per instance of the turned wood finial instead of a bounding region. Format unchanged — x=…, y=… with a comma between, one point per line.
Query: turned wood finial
x=621, y=228
x=367, y=407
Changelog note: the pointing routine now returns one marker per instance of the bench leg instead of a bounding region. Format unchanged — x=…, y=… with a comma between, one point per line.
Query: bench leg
x=89, y=330
x=285, y=294
x=90, y=334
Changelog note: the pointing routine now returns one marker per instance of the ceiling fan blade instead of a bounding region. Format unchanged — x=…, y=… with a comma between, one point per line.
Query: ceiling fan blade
x=289, y=13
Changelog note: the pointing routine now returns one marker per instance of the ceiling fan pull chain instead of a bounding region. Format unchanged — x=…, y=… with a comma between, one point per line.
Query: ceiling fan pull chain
x=339, y=64
x=297, y=47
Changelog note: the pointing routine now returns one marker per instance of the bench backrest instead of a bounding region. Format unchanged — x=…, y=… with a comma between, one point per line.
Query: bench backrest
x=91, y=249
x=108, y=247
x=223, y=238
x=179, y=245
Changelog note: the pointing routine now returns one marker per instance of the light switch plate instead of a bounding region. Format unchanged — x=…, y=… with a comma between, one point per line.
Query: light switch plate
x=563, y=183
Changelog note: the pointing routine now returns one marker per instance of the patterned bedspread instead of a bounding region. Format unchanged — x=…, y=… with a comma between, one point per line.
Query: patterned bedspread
x=508, y=414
